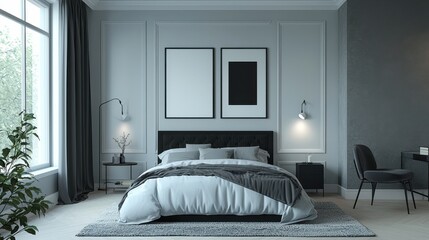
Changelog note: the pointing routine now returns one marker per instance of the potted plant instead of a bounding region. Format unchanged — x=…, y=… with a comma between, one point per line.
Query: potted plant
x=122, y=144
x=18, y=196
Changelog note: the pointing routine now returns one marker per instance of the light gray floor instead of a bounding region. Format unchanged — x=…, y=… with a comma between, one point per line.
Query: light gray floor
x=388, y=219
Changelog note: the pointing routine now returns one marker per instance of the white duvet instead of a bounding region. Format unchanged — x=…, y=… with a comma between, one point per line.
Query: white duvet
x=198, y=195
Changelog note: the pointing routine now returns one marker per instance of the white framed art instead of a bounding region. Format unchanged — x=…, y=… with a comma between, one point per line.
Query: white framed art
x=244, y=83
x=189, y=82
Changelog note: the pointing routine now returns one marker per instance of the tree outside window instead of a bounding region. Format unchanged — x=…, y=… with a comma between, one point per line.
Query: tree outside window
x=24, y=71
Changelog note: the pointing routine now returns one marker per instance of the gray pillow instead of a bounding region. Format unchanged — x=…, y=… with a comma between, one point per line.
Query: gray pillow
x=215, y=153
x=247, y=153
x=197, y=146
x=263, y=155
x=181, y=156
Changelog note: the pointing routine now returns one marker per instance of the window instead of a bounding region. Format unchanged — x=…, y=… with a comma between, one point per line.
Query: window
x=25, y=71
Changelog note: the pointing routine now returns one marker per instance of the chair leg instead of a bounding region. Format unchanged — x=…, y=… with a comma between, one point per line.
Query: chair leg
x=357, y=196
x=374, y=186
x=406, y=196
x=412, y=193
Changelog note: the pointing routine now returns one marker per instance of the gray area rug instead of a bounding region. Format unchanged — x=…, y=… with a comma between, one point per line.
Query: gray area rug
x=332, y=222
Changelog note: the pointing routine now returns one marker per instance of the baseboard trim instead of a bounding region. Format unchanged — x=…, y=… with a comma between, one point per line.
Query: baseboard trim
x=380, y=194
x=329, y=188
x=53, y=198
x=365, y=194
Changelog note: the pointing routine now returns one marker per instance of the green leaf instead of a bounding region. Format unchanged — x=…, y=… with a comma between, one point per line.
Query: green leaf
x=31, y=230
x=2, y=221
x=21, y=195
x=5, y=152
x=29, y=193
x=7, y=227
x=28, y=116
x=14, y=181
x=35, y=189
x=15, y=229
x=12, y=138
x=23, y=220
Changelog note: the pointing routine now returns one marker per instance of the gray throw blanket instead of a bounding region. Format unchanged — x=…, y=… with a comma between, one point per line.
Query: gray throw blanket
x=277, y=185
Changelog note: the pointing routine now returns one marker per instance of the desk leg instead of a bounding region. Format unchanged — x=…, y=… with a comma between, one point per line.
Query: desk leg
x=131, y=172
x=105, y=180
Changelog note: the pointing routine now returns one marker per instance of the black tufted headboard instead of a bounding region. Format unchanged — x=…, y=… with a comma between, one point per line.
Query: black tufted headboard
x=178, y=139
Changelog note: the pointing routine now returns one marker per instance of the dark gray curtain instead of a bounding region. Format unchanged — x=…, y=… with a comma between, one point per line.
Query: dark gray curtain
x=76, y=180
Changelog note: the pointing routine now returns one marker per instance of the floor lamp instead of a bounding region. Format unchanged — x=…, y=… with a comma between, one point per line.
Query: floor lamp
x=99, y=135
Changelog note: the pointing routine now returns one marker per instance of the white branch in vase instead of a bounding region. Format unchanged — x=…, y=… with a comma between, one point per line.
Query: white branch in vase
x=123, y=142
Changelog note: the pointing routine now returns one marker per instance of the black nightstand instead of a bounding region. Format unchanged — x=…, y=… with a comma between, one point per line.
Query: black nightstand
x=125, y=164
x=311, y=175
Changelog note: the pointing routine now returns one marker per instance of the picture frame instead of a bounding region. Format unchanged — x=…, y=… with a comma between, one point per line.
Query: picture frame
x=244, y=83
x=189, y=83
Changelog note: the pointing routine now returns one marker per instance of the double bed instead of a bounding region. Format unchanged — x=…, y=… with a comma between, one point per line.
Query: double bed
x=216, y=174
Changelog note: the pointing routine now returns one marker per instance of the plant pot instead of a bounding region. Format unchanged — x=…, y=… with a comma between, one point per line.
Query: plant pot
x=121, y=158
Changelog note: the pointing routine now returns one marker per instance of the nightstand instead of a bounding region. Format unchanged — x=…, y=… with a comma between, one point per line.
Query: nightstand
x=125, y=164
x=311, y=175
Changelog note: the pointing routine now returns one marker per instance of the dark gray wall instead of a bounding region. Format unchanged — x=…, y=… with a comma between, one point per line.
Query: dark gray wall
x=342, y=94
x=387, y=79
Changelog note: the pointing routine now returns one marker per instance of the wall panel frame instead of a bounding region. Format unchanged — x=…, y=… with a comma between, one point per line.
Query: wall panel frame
x=302, y=76
x=123, y=64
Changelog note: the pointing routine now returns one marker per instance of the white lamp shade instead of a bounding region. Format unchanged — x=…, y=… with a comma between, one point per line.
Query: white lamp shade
x=302, y=115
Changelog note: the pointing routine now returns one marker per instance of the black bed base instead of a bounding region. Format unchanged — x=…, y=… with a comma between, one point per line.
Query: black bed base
x=220, y=218
x=177, y=139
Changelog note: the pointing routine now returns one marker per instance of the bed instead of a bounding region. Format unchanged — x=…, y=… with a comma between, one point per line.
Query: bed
x=216, y=175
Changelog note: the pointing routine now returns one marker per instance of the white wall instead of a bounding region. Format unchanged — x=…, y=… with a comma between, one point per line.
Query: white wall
x=127, y=61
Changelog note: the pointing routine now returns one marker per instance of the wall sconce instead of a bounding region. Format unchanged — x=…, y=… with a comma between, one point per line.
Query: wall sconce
x=302, y=114
x=123, y=117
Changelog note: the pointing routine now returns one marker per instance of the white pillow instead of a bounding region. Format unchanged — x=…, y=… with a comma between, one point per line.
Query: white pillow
x=181, y=156
x=167, y=152
x=195, y=147
x=164, y=156
x=215, y=153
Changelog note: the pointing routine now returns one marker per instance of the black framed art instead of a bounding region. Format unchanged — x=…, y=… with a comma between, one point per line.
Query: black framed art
x=189, y=82
x=244, y=83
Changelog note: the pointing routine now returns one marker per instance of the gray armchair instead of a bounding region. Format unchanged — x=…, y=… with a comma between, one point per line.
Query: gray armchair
x=367, y=171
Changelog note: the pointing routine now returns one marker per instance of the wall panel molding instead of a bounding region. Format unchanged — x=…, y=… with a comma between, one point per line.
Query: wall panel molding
x=214, y=5
x=123, y=64
x=301, y=76
x=216, y=22
x=215, y=33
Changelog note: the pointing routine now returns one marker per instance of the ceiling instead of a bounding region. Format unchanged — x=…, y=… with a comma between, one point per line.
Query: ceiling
x=214, y=4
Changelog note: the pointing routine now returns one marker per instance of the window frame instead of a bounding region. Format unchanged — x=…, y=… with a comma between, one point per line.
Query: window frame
x=24, y=24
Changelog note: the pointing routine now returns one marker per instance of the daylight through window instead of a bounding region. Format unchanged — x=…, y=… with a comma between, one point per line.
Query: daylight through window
x=25, y=70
